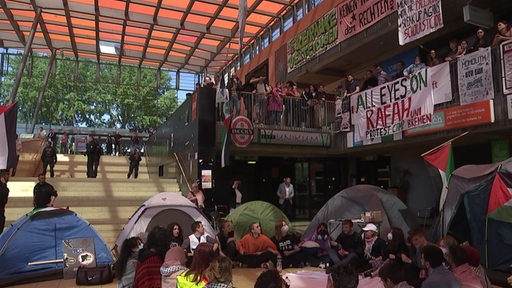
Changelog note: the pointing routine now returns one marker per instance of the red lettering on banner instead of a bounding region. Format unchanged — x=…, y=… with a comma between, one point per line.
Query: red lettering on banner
x=388, y=114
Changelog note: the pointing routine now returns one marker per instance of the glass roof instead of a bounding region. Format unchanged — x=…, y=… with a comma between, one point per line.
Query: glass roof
x=196, y=36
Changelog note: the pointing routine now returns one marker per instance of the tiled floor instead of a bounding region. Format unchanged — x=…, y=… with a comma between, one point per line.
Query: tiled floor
x=242, y=278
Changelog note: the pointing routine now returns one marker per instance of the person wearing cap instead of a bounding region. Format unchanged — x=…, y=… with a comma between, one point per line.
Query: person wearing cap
x=374, y=247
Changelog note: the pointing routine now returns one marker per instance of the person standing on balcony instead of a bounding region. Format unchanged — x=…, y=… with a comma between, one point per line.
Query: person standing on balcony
x=234, y=87
x=261, y=91
x=49, y=157
x=275, y=105
x=504, y=32
x=4, y=196
x=44, y=194
x=352, y=86
x=291, y=104
x=285, y=194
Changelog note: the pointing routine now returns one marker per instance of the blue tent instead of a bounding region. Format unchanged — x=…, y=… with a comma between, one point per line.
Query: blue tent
x=38, y=236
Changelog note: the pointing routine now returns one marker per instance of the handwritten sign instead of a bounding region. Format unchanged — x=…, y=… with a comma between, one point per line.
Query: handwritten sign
x=355, y=16
x=418, y=18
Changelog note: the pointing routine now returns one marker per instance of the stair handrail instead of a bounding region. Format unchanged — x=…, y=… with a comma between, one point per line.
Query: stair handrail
x=182, y=170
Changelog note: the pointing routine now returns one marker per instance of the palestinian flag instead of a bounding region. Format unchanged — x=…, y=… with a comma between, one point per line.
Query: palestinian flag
x=442, y=159
x=499, y=196
x=8, y=116
x=224, y=160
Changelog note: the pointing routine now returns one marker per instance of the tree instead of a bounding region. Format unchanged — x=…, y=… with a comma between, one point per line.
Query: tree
x=115, y=99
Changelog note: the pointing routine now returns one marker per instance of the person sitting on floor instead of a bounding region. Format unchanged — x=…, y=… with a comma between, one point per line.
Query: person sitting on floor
x=195, y=276
x=227, y=239
x=220, y=273
x=288, y=246
x=270, y=279
x=348, y=248
x=174, y=265
x=256, y=249
x=199, y=236
x=151, y=258
x=392, y=275
x=318, y=244
x=438, y=275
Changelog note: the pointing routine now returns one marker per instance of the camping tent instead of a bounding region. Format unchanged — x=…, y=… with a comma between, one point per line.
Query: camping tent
x=351, y=202
x=256, y=211
x=478, y=209
x=39, y=236
x=160, y=210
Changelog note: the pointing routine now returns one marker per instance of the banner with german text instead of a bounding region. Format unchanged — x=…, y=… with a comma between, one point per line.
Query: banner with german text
x=475, y=77
x=418, y=18
x=313, y=41
x=355, y=16
x=390, y=108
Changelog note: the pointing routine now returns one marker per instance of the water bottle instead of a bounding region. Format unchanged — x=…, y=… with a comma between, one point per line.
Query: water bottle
x=279, y=265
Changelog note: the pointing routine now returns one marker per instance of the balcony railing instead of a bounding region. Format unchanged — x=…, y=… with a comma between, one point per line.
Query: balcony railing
x=296, y=112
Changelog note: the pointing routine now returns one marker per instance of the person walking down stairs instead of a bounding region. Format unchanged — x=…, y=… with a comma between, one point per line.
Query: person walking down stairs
x=49, y=158
x=135, y=159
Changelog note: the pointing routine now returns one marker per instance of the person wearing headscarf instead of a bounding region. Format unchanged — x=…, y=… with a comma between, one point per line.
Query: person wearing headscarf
x=174, y=265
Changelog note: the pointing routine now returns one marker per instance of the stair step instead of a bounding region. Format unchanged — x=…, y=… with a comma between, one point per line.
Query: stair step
x=107, y=202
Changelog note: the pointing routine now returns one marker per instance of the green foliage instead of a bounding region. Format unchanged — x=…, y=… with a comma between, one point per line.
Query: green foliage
x=111, y=99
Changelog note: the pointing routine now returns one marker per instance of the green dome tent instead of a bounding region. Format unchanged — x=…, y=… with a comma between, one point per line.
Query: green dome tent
x=256, y=211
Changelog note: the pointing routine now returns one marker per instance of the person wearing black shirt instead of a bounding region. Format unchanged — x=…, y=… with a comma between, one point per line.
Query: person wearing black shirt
x=49, y=158
x=44, y=193
x=349, y=246
x=4, y=196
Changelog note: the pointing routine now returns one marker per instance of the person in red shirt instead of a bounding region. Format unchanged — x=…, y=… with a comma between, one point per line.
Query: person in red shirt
x=256, y=249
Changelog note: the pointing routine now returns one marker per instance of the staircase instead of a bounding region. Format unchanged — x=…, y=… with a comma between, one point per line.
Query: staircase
x=107, y=202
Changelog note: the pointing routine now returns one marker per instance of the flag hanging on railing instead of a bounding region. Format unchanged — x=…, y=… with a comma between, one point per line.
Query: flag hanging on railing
x=8, y=116
x=442, y=158
x=225, y=145
x=242, y=15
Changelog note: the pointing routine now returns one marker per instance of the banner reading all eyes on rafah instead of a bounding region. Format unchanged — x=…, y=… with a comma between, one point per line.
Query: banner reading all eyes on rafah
x=418, y=18
x=475, y=76
x=354, y=16
x=390, y=108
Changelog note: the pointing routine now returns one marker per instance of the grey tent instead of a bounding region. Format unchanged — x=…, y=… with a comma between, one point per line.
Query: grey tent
x=352, y=201
x=478, y=209
x=160, y=210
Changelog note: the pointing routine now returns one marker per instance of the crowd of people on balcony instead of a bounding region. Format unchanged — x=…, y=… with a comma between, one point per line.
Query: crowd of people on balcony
x=303, y=106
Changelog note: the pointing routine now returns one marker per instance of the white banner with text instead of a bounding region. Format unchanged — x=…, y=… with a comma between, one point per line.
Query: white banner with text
x=399, y=105
x=418, y=18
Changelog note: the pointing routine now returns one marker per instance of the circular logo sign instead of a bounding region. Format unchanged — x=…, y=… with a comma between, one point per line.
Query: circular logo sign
x=242, y=131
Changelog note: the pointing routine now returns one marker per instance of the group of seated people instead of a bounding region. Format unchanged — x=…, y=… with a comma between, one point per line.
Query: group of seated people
x=168, y=259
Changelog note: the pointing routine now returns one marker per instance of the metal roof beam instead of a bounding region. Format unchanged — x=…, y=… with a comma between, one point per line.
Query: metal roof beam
x=44, y=30
x=150, y=32
x=200, y=38
x=70, y=28
x=123, y=32
x=26, y=52
x=97, y=30
x=13, y=22
x=175, y=36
